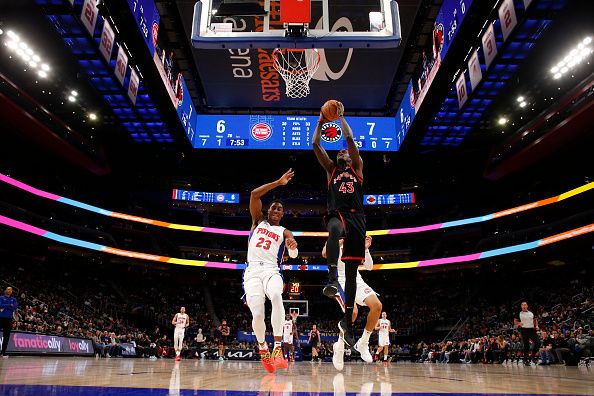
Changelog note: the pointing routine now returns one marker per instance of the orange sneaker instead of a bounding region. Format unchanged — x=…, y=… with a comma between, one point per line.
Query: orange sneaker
x=266, y=360
x=177, y=358
x=278, y=359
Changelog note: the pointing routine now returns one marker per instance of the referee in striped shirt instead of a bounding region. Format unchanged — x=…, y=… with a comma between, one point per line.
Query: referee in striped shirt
x=528, y=326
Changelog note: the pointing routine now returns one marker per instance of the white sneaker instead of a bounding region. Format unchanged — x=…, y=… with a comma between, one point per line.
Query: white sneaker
x=338, y=355
x=363, y=349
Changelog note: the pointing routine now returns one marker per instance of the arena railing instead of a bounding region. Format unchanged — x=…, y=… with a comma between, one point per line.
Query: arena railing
x=394, y=231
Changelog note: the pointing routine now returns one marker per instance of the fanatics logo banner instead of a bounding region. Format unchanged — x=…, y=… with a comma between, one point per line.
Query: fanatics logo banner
x=33, y=343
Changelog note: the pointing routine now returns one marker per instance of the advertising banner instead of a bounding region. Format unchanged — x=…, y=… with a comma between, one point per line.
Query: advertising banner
x=35, y=343
x=128, y=349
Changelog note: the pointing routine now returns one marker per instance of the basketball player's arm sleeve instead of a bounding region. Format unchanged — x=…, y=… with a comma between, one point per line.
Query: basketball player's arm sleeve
x=319, y=151
x=368, y=260
x=351, y=145
x=292, y=252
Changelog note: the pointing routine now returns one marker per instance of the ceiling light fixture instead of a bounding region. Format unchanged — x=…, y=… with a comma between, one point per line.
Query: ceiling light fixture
x=502, y=121
x=573, y=58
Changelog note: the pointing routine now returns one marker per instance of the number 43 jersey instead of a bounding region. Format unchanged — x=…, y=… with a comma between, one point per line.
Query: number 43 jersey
x=345, y=191
x=266, y=244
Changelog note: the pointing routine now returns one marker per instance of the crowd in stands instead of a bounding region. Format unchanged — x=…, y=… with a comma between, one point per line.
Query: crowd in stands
x=115, y=307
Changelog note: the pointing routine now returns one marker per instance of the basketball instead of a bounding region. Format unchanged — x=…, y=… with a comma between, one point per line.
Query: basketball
x=330, y=110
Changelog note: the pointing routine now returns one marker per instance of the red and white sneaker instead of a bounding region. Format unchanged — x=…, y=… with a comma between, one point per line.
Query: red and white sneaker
x=178, y=358
x=291, y=358
x=267, y=360
x=278, y=359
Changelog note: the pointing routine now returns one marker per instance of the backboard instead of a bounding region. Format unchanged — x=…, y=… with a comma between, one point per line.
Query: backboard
x=377, y=24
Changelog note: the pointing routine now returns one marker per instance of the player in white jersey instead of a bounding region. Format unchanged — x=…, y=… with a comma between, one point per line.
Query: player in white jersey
x=384, y=328
x=181, y=320
x=262, y=277
x=289, y=338
x=364, y=296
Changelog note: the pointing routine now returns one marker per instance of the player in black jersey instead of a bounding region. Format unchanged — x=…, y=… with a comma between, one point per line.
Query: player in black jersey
x=345, y=217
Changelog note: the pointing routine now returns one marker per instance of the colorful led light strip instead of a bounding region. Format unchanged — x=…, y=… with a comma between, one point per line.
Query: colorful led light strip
x=212, y=264
x=393, y=231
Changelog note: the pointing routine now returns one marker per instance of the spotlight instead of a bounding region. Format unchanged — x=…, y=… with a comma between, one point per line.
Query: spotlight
x=555, y=69
x=74, y=93
x=520, y=99
x=71, y=98
x=12, y=35
x=557, y=76
x=1, y=31
x=23, y=45
x=502, y=121
x=42, y=74
x=33, y=64
x=45, y=67
x=11, y=44
x=92, y=116
x=587, y=40
x=522, y=104
x=36, y=58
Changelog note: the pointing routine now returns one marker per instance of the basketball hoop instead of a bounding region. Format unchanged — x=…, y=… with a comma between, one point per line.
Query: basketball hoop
x=296, y=67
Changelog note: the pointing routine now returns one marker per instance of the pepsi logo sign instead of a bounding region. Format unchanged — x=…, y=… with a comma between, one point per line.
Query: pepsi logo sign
x=261, y=131
x=331, y=132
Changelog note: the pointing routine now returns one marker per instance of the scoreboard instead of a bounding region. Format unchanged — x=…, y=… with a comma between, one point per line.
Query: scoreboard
x=389, y=199
x=209, y=197
x=278, y=132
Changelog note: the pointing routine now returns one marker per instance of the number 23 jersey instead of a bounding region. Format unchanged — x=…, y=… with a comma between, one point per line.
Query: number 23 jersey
x=266, y=244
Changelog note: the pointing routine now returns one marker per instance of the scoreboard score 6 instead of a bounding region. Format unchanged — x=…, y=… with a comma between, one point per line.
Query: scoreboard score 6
x=280, y=132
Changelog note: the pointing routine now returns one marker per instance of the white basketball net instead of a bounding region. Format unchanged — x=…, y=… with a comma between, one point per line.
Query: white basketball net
x=296, y=67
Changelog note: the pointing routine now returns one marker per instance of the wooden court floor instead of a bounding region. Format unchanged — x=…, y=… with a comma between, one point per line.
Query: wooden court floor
x=25, y=376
